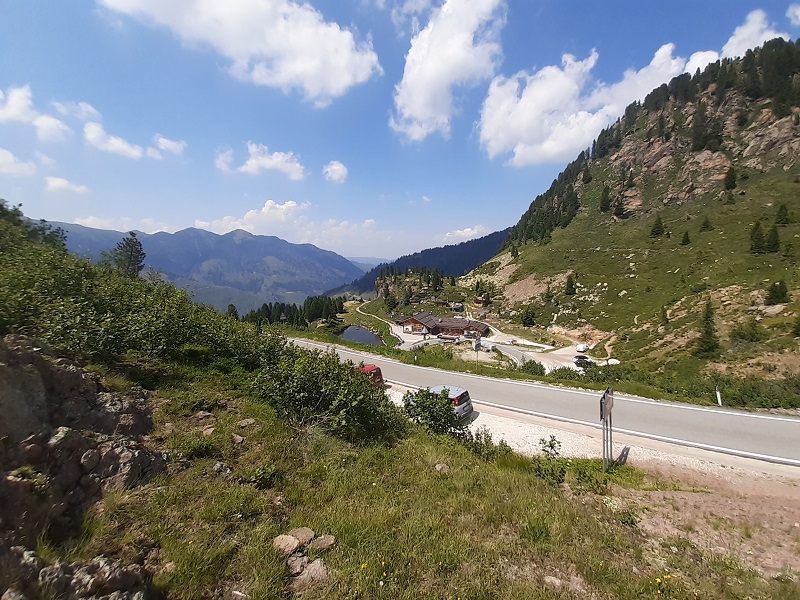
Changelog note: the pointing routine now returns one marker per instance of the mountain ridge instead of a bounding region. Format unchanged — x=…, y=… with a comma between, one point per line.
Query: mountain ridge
x=237, y=268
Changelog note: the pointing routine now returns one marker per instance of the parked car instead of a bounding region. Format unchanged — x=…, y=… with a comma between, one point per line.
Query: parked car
x=462, y=403
x=582, y=347
x=374, y=373
x=582, y=362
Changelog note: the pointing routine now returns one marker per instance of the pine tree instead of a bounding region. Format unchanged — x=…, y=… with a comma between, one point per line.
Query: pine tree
x=127, y=256
x=605, y=199
x=772, y=242
x=658, y=228
x=777, y=293
x=569, y=288
x=757, y=242
x=730, y=179
x=782, y=218
x=708, y=342
x=685, y=241
x=232, y=311
x=706, y=225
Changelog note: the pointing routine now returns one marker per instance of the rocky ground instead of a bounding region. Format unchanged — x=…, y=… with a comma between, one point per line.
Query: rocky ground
x=67, y=442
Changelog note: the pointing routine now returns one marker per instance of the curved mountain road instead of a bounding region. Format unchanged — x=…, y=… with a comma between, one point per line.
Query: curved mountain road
x=771, y=438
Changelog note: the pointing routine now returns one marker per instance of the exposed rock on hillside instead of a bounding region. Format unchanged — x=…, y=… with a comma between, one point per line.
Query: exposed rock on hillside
x=67, y=441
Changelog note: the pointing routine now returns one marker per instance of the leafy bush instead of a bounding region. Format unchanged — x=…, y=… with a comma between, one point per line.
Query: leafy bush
x=312, y=388
x=481, y=444
x=264, y=476
x=434, y=412
x=552, y=471
x=565, y=373
x=589, y=476
x=534, y=367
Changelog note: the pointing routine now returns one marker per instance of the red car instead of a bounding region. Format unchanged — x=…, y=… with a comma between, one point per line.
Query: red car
x=374, y=374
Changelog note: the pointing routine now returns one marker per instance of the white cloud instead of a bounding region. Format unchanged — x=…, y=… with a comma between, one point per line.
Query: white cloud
x=265, y=220
x=13, y=167
x=540, y=117
x=462, y=235
x=261, y=160
x=223, y=160
x=550, y=115
x=59, y=184
x=275, y=43
x=335, y=171
x=459, y=47
x=151, y=152
x=168, y=145
x=44, y=159
x=410, y=10
x=754, y=32
x=700, y=60
x=17, y=106
x=426, y=200
x=95, y=135
x=80, y=110
x=147, y=225
x=793, y=14
x=290, y=221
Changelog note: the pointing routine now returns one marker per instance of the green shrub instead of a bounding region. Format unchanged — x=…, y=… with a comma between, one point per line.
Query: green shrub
x=264, y=476
x=750, y=331
x=482, y=445
x=552, y=471
x=311, y=388
x=565, y=373
x=589, y=476
x=434, y=412
x=533, y=367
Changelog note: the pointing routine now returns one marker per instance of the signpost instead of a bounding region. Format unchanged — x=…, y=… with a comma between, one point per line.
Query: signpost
x=606, y=405
x=477, y=348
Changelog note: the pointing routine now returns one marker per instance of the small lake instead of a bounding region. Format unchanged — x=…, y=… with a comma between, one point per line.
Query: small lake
x=354, y=333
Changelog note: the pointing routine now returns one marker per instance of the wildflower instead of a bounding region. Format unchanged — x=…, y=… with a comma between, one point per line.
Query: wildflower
x=363, y=565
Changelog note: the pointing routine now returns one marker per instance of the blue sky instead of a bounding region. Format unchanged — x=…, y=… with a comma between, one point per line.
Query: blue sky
x=366, y=127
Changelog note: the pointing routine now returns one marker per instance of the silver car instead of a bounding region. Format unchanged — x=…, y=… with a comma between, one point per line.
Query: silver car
x=462, y=403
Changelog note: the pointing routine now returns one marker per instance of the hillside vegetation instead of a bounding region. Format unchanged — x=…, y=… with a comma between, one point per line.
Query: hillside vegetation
x=261, y=437
x=690, y=200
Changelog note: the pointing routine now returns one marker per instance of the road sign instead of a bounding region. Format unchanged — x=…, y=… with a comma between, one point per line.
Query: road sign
x=606, y=403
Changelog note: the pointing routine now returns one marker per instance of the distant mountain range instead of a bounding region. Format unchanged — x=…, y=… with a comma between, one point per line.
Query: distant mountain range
x=455, y=260
x=365, y=263
x=236, y=268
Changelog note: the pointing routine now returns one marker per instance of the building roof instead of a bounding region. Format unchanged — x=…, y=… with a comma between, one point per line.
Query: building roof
x=432, y=321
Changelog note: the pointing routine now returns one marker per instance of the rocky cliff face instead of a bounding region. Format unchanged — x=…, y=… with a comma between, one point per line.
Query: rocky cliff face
x=764, y=143
x=67, y=441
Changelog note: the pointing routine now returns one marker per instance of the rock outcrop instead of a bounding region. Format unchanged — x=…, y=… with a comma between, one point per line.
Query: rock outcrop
x=66, y=441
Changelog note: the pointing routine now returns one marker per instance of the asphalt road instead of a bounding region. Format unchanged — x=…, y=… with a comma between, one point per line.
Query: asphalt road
x=771, y=438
